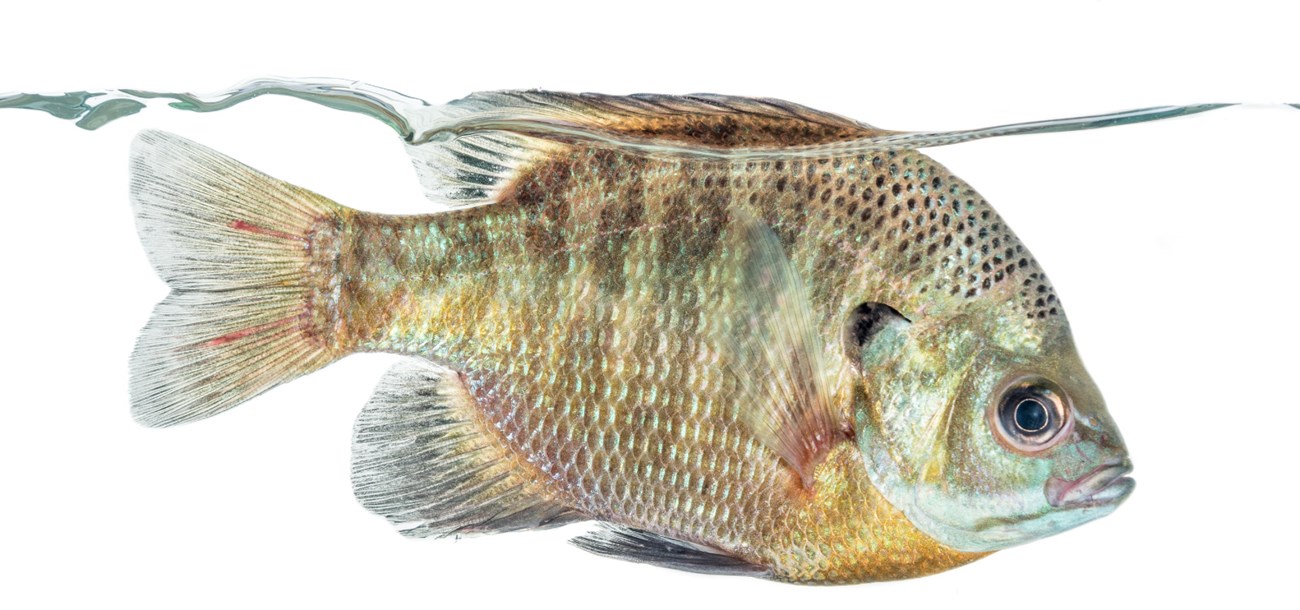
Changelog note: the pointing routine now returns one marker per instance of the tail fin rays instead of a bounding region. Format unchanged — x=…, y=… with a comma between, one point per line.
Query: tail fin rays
x=242, y=252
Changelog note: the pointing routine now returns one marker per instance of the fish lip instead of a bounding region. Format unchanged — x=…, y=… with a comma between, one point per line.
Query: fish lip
x=1101, y=486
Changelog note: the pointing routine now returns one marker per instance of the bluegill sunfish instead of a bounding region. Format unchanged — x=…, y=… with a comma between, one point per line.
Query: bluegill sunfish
x=746, y=336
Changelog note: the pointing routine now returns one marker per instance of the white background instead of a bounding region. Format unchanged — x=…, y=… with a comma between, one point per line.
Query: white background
x=1173, y=246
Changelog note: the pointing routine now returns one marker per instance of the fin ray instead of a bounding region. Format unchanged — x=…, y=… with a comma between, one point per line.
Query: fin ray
x=773, y=349
x=422, y=459
x=640, y=546
x=472, y=148
x=235, y=246
x=467, y=152
x=725, y=121
x=474, y=169
x=700, y=128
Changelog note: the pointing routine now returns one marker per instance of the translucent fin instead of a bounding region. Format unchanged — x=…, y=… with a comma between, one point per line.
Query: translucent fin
x=722, y=121
x=473, y=169
x=237, y=248
x=644, y=547
x=470, y=149
x=423, y=459
x=930, y=139
x=722, y=126
x=776, y=354
x=211, y=223
x=203, y=353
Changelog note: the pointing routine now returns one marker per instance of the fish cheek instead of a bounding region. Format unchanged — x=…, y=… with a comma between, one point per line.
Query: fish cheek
x=975, y=493
x=910, y=374
x=980, y=463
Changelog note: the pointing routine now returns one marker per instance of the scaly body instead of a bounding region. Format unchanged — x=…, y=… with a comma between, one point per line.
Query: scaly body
x=749, y=337
x=578, y=307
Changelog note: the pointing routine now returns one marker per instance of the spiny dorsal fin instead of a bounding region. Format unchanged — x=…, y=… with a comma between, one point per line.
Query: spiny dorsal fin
x=423, y=460
x=705, y=119
x=480, y=143
x=641, y=546
x=774, y=350
x=468, y=151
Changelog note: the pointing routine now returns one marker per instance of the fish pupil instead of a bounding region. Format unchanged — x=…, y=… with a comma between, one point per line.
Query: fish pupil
x=1031, y=415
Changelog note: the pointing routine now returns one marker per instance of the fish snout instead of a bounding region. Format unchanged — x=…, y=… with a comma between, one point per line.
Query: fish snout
x=1103, y=485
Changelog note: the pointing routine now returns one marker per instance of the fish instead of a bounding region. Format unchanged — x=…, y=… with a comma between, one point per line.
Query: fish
x=740, y=335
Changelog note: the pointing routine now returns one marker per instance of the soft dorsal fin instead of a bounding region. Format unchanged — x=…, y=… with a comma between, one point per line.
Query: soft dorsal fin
x=705, y=119
x=473, y=169
x=772, y=346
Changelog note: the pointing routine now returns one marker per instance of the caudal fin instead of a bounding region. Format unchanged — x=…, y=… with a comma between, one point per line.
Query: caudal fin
x=248, y=258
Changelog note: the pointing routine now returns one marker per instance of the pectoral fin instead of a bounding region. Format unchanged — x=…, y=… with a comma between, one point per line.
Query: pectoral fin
x=772, y=347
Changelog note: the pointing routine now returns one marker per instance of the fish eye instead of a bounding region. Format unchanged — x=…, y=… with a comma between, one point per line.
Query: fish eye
x=1031, y=415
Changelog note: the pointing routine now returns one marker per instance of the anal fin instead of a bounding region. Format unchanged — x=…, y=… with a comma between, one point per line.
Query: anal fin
x=640, y=546
x=423, y=459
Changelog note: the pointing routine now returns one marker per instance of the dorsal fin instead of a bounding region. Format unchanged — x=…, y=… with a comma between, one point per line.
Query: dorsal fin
x=474, y=169
x=720, y=121
x=478, y=145
x=468, y=151
x=773, y=349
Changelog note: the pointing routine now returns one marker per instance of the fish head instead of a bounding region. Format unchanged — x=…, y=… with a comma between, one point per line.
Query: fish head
x=982, y=438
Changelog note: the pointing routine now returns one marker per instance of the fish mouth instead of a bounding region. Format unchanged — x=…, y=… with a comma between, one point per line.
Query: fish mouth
x=1103, y=485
